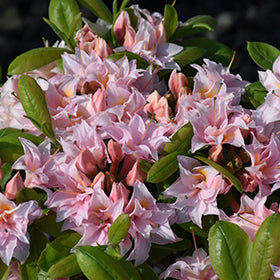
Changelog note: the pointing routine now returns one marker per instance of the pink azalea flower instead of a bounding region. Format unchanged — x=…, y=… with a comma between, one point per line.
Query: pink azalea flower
x=139, y=138
x=265, y=165
x=214, y=125
x=149, y=223
x=196, y=190
x=14, y=220
x=195, y=267
x=250, y=215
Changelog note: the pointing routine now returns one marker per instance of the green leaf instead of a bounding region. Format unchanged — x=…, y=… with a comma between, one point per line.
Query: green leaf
x=63, y=13
x=190, y=226
x=147, y=272
x=229, y=250
x=58, y=249
x=7, y=170
x=27, y=194
x=97, y=265
x=28, y=271
x=65, y=267
x=130, y=269
x=189, y=55
x=263, y=54
x=144, y=165
x=255, y=93
x=119, y=228
x=34, y=59
x=214, y=50
x=115, y=7
x=266, y=248
x=170, y=21
x=99, y=8
x=48, y=224
x=141, y=62
x=4, y=271
x=180, y=141
x=10, y=145
x=163, y=168
x=195, y=25
x=35, y=106
x=223, y=171
x=124, y=4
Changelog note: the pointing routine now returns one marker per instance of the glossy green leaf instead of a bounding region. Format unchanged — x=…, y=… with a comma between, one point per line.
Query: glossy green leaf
x=141, y=62
x=255, y=93
x=98, y=8
x=163, y=168
x=147, y=272
x=180, y=141
x=4, y=271
x=27, y=194
x=10, y=145
x=34, y=59
x=65, y=267
x=97, y=265
x=130, y=269
x=145, y=165
x=170, y=21
x=189, y=55
x=28, y=271
x=48, y=224
x=229, y=250
x=263, y=54
x=124, y=4
x=223, y=171
x=214, y=50
x=34, y=104
x=190, y=226
x=266, y=248
x=195, y=25
x=7, y=170
x=63, y=13
x=58, y=249
x=119, y=228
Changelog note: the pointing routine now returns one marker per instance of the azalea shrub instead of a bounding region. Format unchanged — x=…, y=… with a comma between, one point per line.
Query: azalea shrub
x=130, y=150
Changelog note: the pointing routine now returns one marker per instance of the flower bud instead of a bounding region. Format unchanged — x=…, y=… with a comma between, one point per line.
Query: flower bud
x=13, y=186
x=177, y=82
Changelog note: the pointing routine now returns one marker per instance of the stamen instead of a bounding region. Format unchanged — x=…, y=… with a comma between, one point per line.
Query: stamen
x=173, y=4
x=232, y=59
x=142, y=107
x=154, y=74
x=124, y=56
x=195, y=246
x=80, y=180
x=75, y=143
x=214, y=110
x=153, y=224
x=195, y=192
x=238, y=215
x=66, y=192
x=47, y=162
x=146, y=130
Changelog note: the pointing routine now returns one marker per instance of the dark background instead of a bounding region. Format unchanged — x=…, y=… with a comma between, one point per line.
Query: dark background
x=22, y=27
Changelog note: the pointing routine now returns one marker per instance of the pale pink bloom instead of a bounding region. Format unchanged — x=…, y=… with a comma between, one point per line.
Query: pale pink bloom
x=14, y=220
x=195, y=267
x=139, y=138
x=149, y=223
x=250, y=215
x=36, y=162
x=13, y=186
x=213, y=79
x=196, y=190
x=265, y=163
x=214, y=125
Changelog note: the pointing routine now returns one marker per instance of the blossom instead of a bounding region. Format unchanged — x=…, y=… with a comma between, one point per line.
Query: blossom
x=251, y=214
x=195, y=267
x=196, y=190
x=14, y=220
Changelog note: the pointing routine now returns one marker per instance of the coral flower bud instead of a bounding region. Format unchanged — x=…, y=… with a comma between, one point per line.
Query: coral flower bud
x=177, y=82
x=86, y=163
x=120, y=26
x=13, y=186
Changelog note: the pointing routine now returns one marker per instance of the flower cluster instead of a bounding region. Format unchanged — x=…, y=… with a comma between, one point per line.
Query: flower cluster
x=129, y=133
